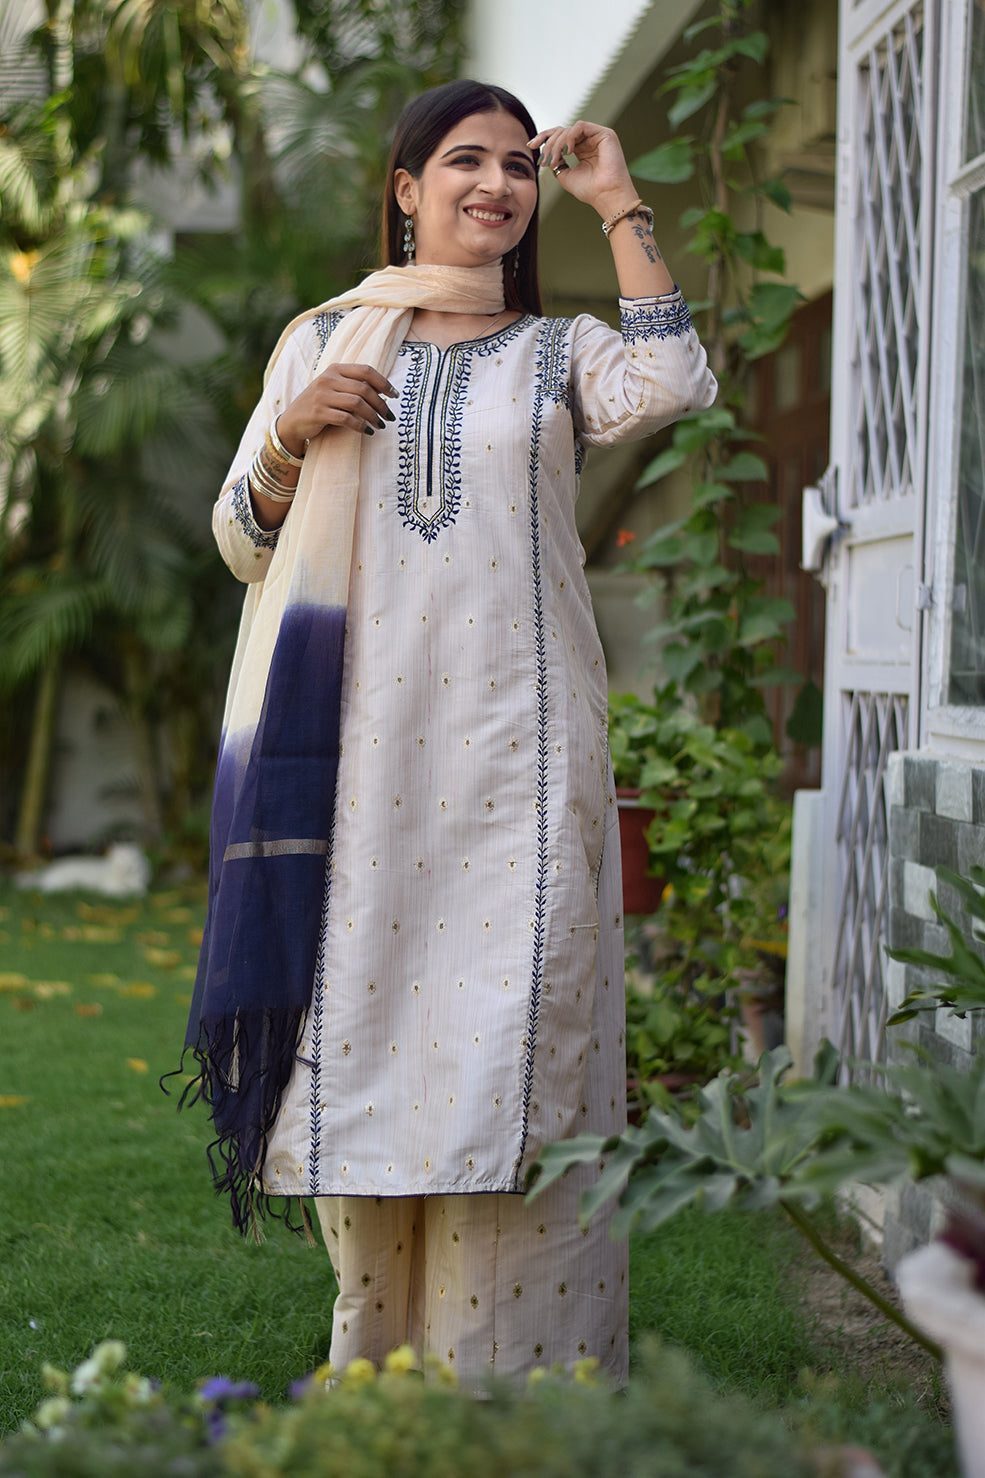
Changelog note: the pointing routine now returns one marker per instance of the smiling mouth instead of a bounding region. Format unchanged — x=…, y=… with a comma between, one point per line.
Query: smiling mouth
x=494, y=217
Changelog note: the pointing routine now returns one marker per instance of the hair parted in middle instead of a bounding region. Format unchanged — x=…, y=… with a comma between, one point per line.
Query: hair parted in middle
x=422, y=125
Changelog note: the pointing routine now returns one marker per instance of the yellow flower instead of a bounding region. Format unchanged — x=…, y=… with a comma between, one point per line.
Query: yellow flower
x=323, y=1374
x=137, y=1064
x=400, y=1360
x=584, y=1371
x=535, y=1376
x=360, y=1372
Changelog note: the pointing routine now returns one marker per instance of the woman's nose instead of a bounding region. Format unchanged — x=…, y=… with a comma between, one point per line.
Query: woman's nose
x=495, y=180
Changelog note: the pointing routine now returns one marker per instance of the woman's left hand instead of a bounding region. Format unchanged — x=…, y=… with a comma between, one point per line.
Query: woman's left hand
x=596, y=171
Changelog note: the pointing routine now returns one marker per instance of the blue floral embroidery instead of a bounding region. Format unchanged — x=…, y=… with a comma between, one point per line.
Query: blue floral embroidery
x=429, y=456
x=655, y=318
x=323, y=326
x=243, y=514
x=553, y=381
x=547, y=359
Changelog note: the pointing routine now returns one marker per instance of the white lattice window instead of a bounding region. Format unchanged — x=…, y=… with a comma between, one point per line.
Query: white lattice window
x=956, y=661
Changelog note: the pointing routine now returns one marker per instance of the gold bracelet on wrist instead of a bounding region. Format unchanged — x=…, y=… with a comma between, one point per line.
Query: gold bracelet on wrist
x=636, y=209
x=279, y=450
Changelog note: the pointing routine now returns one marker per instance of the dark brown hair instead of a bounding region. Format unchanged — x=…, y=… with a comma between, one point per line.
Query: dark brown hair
x=420, y=128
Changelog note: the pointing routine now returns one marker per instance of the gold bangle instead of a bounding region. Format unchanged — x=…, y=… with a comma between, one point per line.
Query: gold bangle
x=280, y=450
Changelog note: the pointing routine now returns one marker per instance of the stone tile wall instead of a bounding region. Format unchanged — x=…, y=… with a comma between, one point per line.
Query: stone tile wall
x=936, y=818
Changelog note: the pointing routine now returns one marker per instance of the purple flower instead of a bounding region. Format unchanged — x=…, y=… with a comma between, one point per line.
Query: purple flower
x=221, y=1389
x=300, y=1388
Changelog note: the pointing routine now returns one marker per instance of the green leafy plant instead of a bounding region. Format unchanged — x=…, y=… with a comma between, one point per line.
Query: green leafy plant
x=722, y=636
x=758, y=1140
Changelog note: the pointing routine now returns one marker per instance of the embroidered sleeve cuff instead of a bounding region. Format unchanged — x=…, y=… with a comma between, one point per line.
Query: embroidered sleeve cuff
x=665, y=317
x=247, y=524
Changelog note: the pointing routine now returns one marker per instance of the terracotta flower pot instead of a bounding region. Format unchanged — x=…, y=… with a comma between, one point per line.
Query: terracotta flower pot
x=641, y=893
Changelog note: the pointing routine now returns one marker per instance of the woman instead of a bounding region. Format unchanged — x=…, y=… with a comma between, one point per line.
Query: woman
x=412, y=973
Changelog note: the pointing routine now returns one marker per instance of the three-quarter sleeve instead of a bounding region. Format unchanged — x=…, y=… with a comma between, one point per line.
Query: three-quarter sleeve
x=247, y=548
x=627, y=385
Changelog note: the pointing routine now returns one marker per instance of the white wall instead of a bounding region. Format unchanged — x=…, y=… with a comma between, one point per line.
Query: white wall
x=550, y=55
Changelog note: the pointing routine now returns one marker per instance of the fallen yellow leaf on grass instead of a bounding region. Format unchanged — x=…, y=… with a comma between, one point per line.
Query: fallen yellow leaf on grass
x=11, y=980
x=164, y=959
x=187, y=972
x=110, y=981
x=91, y=934
x=183, y=999
x=194, y=936
x=12, y=1100
x=101, y=913
x=88, y=1008
x=46, y=931
x=45, y=989
x=137, y=1064
x=141, y=990
x=156, y=938
x=165, y=900
x=176, y=916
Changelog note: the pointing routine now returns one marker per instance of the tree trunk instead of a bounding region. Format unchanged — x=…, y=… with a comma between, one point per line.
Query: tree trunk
x=30, y=816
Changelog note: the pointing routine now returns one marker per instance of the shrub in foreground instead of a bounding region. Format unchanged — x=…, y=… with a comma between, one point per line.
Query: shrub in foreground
x=401, y=1423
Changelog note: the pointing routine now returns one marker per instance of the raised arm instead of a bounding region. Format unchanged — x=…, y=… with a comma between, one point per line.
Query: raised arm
x=589, y=164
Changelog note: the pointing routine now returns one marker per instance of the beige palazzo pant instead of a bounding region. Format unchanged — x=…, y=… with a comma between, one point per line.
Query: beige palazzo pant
x=487, y=1283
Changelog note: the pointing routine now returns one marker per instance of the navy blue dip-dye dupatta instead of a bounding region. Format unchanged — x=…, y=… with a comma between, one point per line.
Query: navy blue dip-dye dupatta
x=274, y=792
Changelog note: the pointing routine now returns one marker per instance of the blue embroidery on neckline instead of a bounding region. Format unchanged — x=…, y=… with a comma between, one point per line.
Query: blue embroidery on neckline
x=429, y=428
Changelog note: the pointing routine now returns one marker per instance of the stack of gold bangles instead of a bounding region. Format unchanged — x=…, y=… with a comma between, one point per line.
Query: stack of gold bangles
x=273, y=458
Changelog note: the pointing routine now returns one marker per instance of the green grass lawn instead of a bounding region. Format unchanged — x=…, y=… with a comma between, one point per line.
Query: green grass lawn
x=109, y=1226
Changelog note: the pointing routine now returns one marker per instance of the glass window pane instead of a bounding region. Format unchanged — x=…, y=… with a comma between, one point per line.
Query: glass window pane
x=975, y=133
x=968, y=618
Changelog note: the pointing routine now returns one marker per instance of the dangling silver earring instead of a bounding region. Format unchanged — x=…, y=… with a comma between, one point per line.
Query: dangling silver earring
x=409, y=241
x=516, y=262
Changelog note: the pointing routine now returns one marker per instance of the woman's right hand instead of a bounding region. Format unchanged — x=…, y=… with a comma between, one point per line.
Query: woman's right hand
x=350, y=395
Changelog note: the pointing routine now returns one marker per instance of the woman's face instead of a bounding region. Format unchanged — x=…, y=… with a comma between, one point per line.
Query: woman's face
x=475, y=195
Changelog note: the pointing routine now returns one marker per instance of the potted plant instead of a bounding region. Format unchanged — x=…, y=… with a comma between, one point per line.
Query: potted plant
x=632, y=724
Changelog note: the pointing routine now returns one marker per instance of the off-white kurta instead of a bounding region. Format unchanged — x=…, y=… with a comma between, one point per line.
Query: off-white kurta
x=468, y=1003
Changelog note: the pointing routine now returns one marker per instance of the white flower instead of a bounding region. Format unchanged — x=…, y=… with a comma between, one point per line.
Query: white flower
x=51, y=1412
x=85, y=1378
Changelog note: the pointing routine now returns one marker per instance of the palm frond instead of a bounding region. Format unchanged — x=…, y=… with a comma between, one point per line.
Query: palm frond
x=21, y=205
x=43, y=613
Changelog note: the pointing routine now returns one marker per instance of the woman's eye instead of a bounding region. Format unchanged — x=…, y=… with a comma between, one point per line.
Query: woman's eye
x=465, y=159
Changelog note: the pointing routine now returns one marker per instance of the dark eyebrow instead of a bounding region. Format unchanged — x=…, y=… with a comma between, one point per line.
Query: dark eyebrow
x=481, y=149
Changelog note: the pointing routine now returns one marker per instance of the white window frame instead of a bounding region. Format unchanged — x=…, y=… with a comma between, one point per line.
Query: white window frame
x=957, y=728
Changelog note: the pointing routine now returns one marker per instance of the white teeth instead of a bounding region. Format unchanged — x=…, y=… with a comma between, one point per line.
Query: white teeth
x=488, y=215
